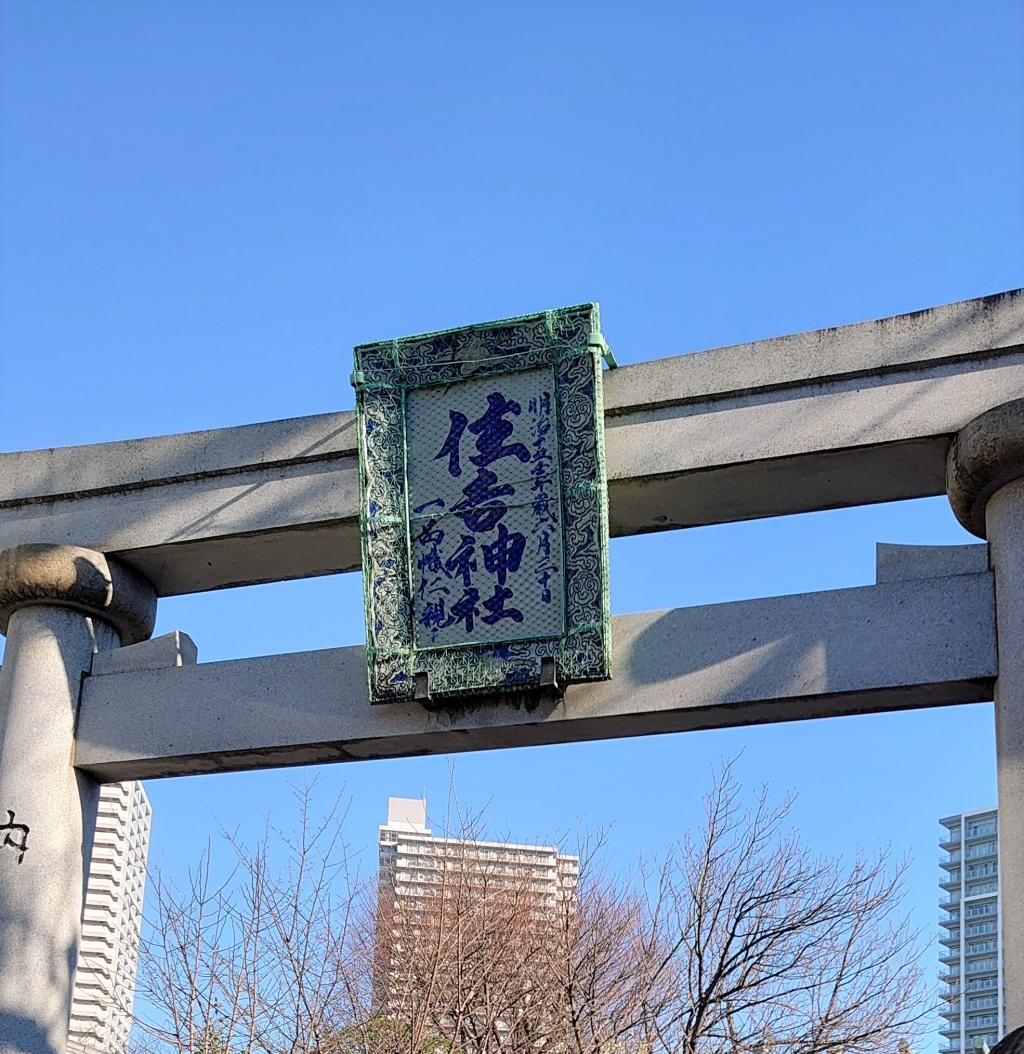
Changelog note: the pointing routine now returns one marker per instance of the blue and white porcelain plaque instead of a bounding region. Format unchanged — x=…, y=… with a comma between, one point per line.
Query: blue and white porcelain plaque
x=483, y=508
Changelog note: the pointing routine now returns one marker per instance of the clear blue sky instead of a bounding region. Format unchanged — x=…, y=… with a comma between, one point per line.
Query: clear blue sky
x=206, y=205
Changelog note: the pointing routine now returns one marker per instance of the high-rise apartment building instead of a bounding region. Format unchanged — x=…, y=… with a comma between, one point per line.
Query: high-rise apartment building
x=425, y=878
x=104, y=989
x=413, y=861
x=972, y=966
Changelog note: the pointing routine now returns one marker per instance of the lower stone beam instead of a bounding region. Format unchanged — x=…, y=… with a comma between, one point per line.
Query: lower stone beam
x=907, y=642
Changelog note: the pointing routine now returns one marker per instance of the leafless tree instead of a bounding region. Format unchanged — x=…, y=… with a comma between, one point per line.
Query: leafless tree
x=768, y=947
x=269, y=959
x=740, y=940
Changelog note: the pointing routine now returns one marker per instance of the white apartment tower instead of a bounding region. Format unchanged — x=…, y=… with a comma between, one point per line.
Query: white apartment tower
x=412, y=859
x=972, y=964
x=415, y=864
x=101, y=1008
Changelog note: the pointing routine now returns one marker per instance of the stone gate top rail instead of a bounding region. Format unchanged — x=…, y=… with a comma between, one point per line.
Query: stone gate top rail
x=824, y=419
x=876, y=347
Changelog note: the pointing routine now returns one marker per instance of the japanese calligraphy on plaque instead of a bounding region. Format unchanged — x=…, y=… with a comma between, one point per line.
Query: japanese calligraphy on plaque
x=483, y=508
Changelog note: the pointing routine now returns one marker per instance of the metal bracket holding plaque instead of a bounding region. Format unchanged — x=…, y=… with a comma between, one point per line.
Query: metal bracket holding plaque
x=483, y=508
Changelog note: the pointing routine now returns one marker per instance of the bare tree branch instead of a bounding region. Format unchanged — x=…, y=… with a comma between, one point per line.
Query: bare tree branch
x=740, y=941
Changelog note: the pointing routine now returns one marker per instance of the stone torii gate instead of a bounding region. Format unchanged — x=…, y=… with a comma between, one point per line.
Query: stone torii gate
x=905, y=407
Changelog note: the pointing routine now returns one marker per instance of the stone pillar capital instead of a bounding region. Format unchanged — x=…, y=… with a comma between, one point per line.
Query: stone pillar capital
x=82, y=579
x=985, y=455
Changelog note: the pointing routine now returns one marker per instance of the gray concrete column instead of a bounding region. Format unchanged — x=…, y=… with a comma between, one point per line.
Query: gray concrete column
x=59, y=604
x=985, y=483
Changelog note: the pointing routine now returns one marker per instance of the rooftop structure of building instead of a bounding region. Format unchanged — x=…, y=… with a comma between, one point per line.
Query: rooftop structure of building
x=413, y=859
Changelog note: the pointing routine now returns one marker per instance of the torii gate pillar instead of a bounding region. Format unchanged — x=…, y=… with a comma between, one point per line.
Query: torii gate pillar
x=59, y=604
x=985, y=482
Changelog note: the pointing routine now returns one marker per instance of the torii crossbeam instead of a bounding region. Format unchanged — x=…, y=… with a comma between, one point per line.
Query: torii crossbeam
x=916, y=405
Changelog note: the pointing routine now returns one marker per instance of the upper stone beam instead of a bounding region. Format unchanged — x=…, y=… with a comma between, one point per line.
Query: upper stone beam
x=825, y=419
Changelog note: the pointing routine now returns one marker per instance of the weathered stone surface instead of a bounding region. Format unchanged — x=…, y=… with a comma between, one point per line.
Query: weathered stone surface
x=818, y=420
x=986, y=454
x=169, y=649
x=898, y=563
x=898, y=645
x=73, y=577
x=49, y=649
x=881, y=347
x=1005, y=516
